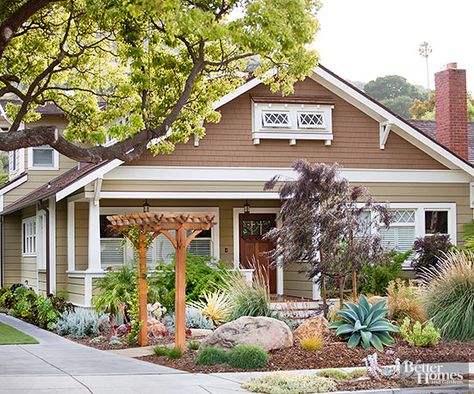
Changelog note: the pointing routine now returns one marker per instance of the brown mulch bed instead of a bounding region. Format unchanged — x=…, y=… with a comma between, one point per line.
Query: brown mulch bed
x=332, y=355
x=103, y=344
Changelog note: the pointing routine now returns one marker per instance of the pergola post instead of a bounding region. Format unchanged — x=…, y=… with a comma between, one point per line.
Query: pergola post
x=142, y=290
x=180, y=297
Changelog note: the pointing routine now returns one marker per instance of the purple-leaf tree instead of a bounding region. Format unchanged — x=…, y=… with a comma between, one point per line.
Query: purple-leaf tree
x=327, y=224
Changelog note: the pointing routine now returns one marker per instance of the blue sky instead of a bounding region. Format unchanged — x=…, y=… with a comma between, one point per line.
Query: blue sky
x=363, y=39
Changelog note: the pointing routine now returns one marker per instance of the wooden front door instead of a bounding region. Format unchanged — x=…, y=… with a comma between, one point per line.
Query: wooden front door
x=252, y=228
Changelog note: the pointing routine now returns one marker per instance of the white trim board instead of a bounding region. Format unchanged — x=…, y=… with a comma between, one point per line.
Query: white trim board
x=190, y=195
x=81, y=182
x=14, y=184
x=263, y=174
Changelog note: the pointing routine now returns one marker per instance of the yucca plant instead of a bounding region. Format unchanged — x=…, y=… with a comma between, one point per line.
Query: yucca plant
x=448, y=295
x=364, y=324
x=214, y=305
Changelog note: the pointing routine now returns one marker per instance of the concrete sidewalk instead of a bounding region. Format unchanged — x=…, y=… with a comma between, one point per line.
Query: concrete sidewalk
x=57, y=365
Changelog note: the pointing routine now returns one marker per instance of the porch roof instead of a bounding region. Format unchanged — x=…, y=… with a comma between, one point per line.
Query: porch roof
x=52, y=187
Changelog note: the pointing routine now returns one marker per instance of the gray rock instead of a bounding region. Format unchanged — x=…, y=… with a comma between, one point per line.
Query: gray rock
x=200, y=332
x=265, y=332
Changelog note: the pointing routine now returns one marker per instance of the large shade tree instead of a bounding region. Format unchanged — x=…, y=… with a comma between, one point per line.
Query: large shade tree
x=327, y=224
x=143, y=72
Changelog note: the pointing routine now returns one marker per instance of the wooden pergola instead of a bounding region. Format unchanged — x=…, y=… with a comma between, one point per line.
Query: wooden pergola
x=141, y=229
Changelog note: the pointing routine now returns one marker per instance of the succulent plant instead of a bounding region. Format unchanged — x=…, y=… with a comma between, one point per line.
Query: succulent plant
x=363, y=323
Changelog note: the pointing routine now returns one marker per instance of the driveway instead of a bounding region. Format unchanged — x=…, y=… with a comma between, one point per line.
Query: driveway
x=57, y=365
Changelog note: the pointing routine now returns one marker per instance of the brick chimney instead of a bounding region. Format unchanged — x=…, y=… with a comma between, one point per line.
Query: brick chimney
x=451, y=109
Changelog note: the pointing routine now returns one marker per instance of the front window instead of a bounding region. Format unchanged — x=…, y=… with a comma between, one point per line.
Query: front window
x=436, y=222
x=401, y=233
x=28, y=235
x=111, y=249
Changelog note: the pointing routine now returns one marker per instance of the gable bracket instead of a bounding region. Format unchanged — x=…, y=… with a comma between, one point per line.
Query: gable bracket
x=385, y=128
x=97, y=189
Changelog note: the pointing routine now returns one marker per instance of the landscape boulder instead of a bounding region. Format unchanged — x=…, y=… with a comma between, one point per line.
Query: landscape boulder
x=312, y=327
x=265, y=332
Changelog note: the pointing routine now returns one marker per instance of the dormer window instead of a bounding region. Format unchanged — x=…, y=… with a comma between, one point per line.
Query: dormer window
x=311, y=120
x=42, y=157
x=291, y=121
x=276, y=119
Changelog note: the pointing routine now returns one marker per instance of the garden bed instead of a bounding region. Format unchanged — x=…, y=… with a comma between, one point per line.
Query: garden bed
x=332, y=355
x=102, y=343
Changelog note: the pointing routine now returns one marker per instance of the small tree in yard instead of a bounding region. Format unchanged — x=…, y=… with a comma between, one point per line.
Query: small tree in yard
x=324, y=224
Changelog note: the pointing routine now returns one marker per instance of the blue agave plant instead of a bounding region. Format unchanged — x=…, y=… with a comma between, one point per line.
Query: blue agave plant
x=363, y=323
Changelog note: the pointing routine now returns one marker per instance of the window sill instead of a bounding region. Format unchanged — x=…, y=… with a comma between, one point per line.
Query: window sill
x=293, y=136
x=52, y=168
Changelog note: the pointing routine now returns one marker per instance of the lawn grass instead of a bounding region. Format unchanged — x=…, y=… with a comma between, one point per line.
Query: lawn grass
x=11, y=336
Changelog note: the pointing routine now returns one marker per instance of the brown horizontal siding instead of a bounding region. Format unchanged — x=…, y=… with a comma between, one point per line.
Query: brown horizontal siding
x=356, y=141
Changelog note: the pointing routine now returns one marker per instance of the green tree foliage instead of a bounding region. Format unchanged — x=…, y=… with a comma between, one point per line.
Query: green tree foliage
x=143, y=72
x=395, y=92
x=424, y=109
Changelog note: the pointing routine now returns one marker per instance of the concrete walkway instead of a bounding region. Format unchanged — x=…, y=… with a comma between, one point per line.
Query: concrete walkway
x=57, y=365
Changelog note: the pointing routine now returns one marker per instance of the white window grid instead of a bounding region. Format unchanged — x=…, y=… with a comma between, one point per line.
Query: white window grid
x=311, y=120
x=276, y=119
x=28, y=236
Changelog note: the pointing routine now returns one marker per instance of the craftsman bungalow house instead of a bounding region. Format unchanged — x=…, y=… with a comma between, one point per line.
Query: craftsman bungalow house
x=54, y=228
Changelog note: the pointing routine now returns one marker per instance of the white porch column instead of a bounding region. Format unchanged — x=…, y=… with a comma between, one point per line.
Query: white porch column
x=279, y=275
x=71, y=237
x=94, y=237
x=316, y=289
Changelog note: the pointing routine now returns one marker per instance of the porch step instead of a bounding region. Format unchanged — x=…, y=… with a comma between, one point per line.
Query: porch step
x=298, y=311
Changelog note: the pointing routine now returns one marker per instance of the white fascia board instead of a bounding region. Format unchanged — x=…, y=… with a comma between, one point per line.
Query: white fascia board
x=237, y=92
x=380, y=114
x=262, y=174
x=99, y=173
x=14, y=184
x=191, y=195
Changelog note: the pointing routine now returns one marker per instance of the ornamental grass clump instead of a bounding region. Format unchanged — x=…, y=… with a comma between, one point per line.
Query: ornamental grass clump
x=290, y=383
x=364, y=324
x=211, y=356
x=312, y=343
x=403, y=300
x=448, y=295
x=214, y=305
x=247, y=357
x=170, y=352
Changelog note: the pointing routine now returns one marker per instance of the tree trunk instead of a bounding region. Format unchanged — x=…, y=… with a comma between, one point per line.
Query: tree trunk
x=324, y=296
x=341, y=290
x=354, y=281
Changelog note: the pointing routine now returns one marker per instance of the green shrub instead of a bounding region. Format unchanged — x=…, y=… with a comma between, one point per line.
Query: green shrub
x=364, y=324
x=247, y=357
x=418, y=335
x=290, y=383
x=211, y=356
x=170, y=352
x=312, y=343
x=193, y=345
x=467, y=235
x=376, y=277
x=448, y=295
x=24, y=303
x=203, y=274
x=341, y=376
x=116, y=290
